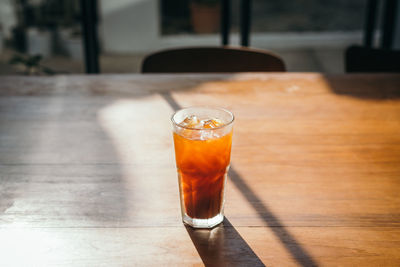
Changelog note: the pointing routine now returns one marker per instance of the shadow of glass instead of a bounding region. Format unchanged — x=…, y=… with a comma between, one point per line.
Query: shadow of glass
x=287, y=239
x=223, y=246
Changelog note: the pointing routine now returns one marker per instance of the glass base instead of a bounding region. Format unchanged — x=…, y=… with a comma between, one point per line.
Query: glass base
x=203, y=223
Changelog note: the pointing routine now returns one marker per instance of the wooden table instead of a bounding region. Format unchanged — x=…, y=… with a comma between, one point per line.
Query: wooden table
x=87, y=172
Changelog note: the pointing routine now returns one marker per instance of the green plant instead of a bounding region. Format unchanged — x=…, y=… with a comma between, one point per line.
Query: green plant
x=31, y=64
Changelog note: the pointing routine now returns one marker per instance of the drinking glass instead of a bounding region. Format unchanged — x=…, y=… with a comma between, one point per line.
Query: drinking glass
x=203, y=140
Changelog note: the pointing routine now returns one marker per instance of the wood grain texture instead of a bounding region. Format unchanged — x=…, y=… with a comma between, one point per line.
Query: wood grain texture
x=87, y=173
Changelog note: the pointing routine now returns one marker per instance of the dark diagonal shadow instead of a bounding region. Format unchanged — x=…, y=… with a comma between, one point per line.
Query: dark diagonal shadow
x=218, y=250
x=171, y=101
x=223, y=246
x=287, y=239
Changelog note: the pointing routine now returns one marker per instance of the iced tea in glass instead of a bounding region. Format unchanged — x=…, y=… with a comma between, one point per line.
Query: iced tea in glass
x=203, y=139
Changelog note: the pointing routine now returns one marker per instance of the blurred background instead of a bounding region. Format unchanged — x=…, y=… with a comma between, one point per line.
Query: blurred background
x=310, y=35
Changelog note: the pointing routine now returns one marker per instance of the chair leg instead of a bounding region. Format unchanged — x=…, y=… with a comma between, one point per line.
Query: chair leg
x=389, y=15
x=225, y=21
x=90, y=38
x=370, y=22
x=245, y=22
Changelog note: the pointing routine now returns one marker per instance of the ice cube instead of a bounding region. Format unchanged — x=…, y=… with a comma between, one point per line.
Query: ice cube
x=205, y=135
x=191, y=121
x=211, y=123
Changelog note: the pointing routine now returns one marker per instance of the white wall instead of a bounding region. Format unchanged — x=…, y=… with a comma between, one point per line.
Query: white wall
x=7, y=17
x=129, y=25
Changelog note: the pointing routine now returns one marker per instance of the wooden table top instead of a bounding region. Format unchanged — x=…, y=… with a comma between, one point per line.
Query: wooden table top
x=87, y=171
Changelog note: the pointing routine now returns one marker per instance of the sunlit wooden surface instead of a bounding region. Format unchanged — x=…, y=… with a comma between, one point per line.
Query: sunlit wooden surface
x=87, y=172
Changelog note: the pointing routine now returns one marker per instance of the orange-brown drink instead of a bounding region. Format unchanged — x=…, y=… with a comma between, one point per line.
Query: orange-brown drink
x=203, y=139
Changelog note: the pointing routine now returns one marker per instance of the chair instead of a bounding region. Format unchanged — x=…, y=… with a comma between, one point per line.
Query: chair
x=212, y=59
x=365, y=59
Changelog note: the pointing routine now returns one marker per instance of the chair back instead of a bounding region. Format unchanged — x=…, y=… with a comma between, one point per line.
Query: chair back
x=212, y=59
x=365, y=59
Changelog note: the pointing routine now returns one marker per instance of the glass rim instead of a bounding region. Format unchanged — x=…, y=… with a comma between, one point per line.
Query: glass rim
x=205, y=107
